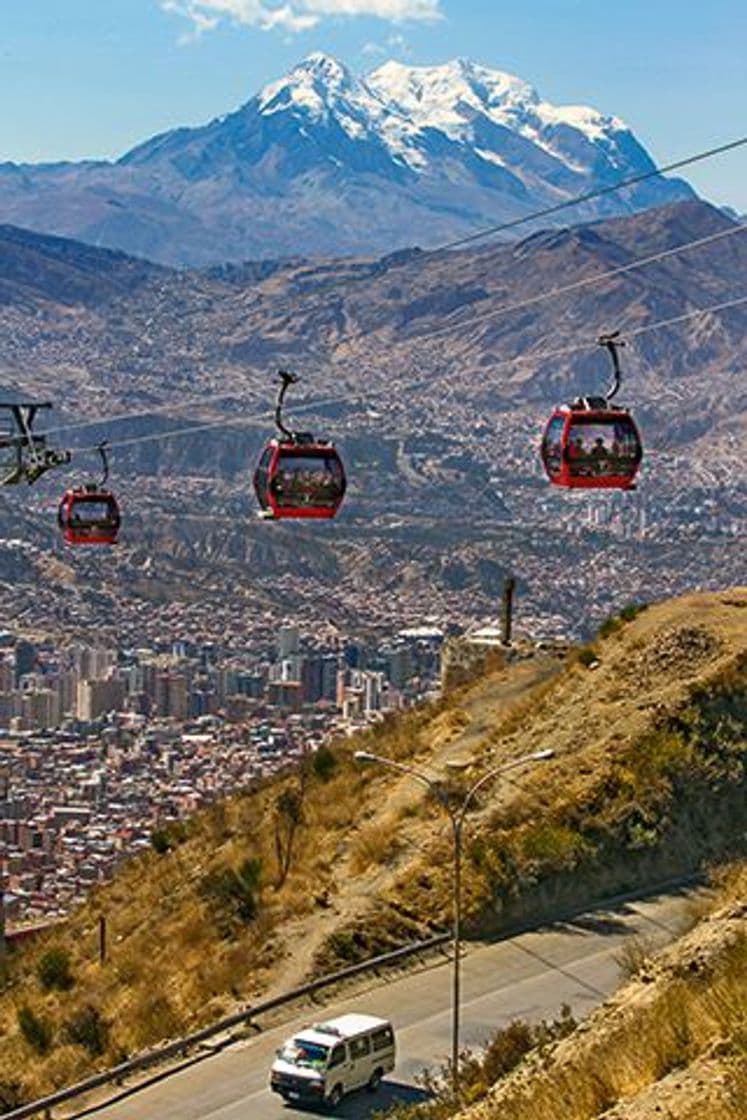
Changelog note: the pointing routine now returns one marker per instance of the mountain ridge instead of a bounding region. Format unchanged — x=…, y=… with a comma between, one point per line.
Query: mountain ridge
x=326, y=162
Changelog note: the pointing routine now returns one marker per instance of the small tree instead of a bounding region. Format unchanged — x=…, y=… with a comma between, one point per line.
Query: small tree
x=233, y=894
x=288, y=816
x=11, y=1096
x=87, y=1028
x=160, y=842
x=34, y=1029
x=324, y=763
x=53, y=970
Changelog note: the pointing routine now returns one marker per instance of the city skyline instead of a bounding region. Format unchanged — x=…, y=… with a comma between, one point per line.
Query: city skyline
x=101, y=746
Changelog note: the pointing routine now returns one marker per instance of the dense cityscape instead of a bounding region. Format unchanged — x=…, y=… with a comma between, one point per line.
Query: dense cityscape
x=99, y=745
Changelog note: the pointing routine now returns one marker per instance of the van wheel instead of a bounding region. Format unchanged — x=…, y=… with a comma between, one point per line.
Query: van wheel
x=374, y=1080
x=334, y=1097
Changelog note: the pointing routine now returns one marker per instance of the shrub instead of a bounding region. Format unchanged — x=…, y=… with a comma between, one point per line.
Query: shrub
x=53, y=970
x=375, y=845
x=587, y=656
x=324, y=763
x=233, y=894
x=632, y=610
x=505, y=1050
x=168, y=837
x=554, y=846
x=615, y=622
x=11, y=1095
x=610, y=626
x=635, y=954
x=36, y=1031
x=153, y=1017
x=87, y=1028
x=344, y=946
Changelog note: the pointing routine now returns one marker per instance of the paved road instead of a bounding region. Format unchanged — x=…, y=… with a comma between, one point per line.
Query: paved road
x=528, y=977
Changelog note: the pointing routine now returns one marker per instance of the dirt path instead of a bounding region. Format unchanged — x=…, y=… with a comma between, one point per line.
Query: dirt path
x=484, y=705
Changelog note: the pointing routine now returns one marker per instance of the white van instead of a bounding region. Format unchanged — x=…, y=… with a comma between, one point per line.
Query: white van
x=322, y=1063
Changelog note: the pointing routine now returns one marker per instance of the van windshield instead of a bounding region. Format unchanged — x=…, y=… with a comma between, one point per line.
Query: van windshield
x=298, y=1052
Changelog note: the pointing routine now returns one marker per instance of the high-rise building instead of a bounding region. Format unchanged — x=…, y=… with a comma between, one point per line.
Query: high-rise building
x=41, y=709
x=284, y=694
x=96, y=698
x=67, y=691
x=171, y=695
x=289, y=642
x=400, y=666
x=25, y=658
x=312, y=679
x=92, y=663
x=7, y=675
x=330, y=667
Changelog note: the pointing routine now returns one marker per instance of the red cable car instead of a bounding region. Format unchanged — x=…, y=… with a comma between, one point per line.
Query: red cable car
x=592, y=444
x=297, y=475
x=89, y=514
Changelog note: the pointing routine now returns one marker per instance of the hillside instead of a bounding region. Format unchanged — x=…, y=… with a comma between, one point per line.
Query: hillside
x=323, y=162
x=436, y=398
x=671, y=1042
x=339, y=862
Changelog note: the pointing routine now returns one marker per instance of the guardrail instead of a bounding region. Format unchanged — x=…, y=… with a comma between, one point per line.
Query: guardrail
x=183, y=1045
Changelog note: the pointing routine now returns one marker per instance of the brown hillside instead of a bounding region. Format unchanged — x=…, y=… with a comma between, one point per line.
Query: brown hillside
x=671, y=1043
x=649, y=780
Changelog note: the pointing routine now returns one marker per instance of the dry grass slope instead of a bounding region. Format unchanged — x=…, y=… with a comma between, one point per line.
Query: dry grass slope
x=339, y=862
x=672, y=1043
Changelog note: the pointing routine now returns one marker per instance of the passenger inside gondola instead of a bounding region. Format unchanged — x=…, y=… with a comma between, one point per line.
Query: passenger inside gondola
x=308, y=480
x=86, y=512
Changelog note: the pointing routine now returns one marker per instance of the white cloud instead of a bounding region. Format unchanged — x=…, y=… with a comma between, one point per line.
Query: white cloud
x=392, y=45
x=395, y=10
x=295, y=15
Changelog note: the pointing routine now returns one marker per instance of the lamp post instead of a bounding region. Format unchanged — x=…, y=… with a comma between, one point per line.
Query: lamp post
x=457, y=817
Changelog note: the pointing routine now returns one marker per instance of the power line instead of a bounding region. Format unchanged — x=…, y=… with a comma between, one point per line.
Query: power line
x=505, y=309
x=306, y=406
x=714, y=309
x=564, y=351
x=598, y=193
x=118, y=418
x=590, y=281
x=223, y=422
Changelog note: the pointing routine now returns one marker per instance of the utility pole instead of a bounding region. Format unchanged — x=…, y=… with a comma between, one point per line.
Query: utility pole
x=102, y=939
x=509, y=585
x=457, y=816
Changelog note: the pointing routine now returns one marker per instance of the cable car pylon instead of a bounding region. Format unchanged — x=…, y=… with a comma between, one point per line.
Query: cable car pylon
x=24, y=455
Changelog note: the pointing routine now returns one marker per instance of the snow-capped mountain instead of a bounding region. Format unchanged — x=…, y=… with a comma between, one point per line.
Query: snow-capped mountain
x=322, y=161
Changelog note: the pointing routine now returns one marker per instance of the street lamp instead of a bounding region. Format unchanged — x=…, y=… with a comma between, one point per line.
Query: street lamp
x=457, y=817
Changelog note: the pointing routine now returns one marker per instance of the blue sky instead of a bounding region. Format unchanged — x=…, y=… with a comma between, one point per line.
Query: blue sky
x=91, y=78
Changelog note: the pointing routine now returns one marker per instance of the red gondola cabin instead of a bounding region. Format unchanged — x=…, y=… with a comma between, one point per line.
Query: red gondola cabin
x=296, y=479
x=592, y=444
x=591, y=448
x=297, y=475
x=89, y=515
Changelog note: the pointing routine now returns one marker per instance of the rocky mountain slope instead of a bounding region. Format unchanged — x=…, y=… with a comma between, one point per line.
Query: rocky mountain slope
x=436, y=393
x=486, y=320
x=324, y=162
x=648, y=780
